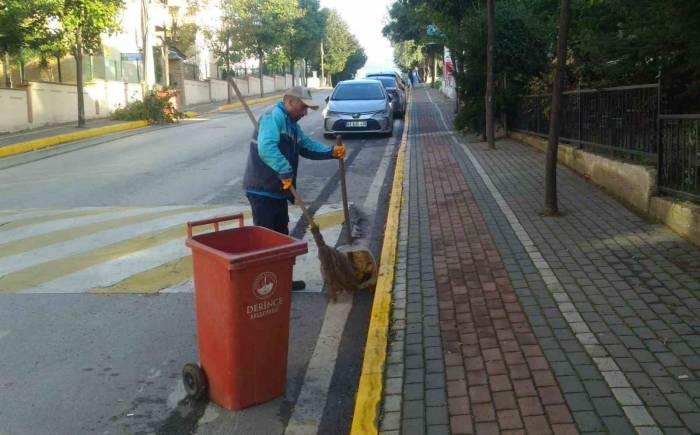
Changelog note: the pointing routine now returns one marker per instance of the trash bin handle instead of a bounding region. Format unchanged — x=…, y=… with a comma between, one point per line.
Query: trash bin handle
x=216, y=221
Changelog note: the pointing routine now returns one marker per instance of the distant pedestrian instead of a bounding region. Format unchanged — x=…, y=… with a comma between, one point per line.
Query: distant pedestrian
x=274, y=157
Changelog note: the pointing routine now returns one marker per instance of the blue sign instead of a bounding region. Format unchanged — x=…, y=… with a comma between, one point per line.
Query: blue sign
x=132, y=56
x=431, y=30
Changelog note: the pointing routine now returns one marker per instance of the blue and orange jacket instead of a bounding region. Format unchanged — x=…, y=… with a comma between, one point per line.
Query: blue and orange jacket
x=274, y=154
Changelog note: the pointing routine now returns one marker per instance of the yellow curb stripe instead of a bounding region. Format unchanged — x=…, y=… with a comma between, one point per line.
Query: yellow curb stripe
x=252, y=102
x=38, y=144
x=19, y=222
x=371, y=384
x=178, y=271
x=39, y=241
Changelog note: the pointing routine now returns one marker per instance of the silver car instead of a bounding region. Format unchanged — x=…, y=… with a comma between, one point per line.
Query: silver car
x=358, y=106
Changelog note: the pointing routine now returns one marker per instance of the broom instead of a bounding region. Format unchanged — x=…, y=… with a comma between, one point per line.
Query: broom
x=336, y=270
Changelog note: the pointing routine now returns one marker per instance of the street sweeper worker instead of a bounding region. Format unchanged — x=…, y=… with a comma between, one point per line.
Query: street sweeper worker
x=274, y=158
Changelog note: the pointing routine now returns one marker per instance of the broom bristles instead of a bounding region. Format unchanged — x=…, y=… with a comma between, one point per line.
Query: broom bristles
x=338, y=274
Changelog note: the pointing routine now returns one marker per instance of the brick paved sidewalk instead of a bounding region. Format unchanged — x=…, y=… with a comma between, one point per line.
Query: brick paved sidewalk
x=508, y=322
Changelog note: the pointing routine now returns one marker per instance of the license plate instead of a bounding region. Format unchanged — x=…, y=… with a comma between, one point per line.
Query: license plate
x=356, y=124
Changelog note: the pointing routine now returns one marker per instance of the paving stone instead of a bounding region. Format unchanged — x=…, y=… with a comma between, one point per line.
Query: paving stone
x=587, y=421
x=390, y=421
x=607, y=406
x=436, y=416
x=414, y=408
x=692, y=421
x=413, y=426
x=578, y=402
x=665, y=416
x=618, y=425
x=441, y=429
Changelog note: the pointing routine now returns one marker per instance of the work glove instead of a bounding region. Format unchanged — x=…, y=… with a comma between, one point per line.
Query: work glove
x=286, y=183
x=339, y=151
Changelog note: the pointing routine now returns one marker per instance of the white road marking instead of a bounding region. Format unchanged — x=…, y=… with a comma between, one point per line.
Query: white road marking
x=30, y=213
x=114, y=271
x=308, y=410
x=63, y=224
x=56, y=251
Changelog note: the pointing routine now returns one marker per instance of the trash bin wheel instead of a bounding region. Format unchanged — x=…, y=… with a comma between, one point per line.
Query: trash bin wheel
x=194, y=380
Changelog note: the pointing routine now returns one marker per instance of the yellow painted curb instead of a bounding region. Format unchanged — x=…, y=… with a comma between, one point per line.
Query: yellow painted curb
x=38, y=144
x=371, y=385
x=252, y=102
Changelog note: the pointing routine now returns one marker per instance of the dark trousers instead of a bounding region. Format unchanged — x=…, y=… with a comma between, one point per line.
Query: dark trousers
x=270, y=213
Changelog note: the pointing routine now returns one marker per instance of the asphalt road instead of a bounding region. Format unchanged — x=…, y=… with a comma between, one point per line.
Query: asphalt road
x=76, y=362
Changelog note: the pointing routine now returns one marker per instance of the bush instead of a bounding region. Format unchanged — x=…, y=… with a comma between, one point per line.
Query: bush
x=155, y=108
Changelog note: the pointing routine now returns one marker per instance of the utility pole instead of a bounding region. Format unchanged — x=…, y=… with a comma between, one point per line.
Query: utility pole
x=148, y=78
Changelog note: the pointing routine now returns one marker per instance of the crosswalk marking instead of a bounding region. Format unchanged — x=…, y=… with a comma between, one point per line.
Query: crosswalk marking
x=153, y=280
x=22, y=240
x=123, y=250
x=18, y=220
x=82, y=244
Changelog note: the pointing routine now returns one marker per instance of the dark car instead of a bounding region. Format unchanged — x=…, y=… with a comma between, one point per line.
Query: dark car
x=394, y=87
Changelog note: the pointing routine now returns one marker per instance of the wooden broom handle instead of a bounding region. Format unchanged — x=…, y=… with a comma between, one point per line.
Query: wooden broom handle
x=300, y=203
x=233, y=84
x=344, y=194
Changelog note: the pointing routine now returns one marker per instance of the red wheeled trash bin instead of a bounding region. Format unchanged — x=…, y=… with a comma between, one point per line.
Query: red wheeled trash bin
x=242, y=281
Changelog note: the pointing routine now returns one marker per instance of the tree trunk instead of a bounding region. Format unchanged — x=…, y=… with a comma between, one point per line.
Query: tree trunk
x=435, y=62
x=322, y=70
x=291, y=66
x=260, y=72
x=58, y=65
x=551, y=203
x=79, y=76
x=8, y=75
x=166, y=64
x=491, y=39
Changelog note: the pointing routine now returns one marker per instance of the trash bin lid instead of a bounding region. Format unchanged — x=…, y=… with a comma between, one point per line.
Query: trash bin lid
x=247, y=246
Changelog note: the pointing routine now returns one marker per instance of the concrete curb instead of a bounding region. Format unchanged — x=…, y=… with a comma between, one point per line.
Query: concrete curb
x=371, y=384
x=38, y=144
x=252, y=102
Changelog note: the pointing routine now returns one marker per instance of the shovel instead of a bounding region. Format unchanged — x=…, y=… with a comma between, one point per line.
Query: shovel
x=361, y=259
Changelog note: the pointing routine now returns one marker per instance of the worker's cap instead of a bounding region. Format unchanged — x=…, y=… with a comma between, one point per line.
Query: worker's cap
x=303, y=94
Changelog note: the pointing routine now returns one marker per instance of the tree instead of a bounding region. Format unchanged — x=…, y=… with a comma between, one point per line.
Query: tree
x=551, y=206
x=338, y=45
x=490, y=42
x=22, y=25
x=408, y=54
x=263, y=26
x=356, y=61
x=309, y=29
x=224, y=43
x=80, y=26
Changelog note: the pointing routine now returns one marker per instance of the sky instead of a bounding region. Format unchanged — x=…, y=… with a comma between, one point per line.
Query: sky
x=366, y=19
